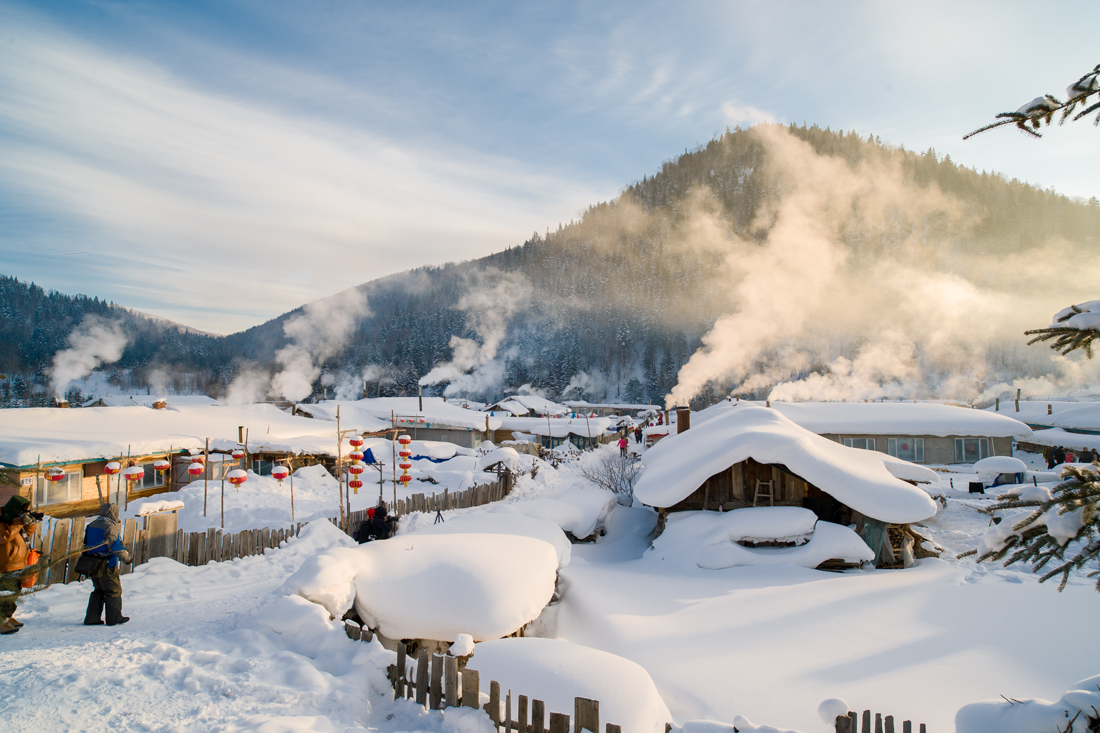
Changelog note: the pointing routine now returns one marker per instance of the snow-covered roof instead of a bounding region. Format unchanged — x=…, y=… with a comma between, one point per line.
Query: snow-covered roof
x=867, y=481
x=558, y=427
x=1077, y=415
x=60, y=435
x=580, y=405
x=888, y=418
x=999, y=464
x=436, y=413
x=557, y=671
x=145, y=400
x=524, y=404
x=1056, y=437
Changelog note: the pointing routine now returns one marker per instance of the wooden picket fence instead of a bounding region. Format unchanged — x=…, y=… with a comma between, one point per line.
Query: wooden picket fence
x=61, y=540
x=436, y=682
x=883, y=724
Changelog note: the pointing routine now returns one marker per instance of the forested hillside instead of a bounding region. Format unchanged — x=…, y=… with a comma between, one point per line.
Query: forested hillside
x=618, y=300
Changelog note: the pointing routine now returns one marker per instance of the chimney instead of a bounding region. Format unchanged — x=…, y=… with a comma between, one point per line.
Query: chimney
x=61, y=403
x=683, y=419
x=240, y=434
x=160, y=403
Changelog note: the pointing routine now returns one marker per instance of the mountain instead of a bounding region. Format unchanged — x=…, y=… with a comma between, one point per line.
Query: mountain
x=615, y=303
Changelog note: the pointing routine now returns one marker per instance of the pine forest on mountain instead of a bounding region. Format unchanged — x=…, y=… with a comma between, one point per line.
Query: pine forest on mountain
x=614, y=293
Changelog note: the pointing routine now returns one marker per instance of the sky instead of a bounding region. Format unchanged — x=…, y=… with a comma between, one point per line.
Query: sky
x=221, y=163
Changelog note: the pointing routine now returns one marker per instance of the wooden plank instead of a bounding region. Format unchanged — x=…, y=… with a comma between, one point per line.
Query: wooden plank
x=141, y=548
x=493, y=706
x=202, y=548
x=192, y=548
x=538, y=716
x=889, y=724
x=59, y=547
x=436, y=697
x=866, y=721
x=559, y=723
x=878, y=722
x=76, y=543
x=508, y=712
x=521, y=714
x=399, y=680
x=211, y=548
x=265, y=540
x=161, y=534
x=450, y=681
x=471, y=688
x=612, y=728
x=422, y=678
x=181, y=546
x=129, y=541
x=907, y=726
x=586, y=715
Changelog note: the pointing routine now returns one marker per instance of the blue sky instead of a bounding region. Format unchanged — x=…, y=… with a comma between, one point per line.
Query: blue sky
x=219, y=163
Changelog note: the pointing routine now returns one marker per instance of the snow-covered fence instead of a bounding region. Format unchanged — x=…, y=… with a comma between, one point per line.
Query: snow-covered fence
x=471, y=497
x=850, y=724
x=436, y=682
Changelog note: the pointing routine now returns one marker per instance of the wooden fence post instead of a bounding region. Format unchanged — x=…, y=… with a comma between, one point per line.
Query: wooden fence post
x=613, y=728
x=399, y=675
x=878, y=722
x=129, y=541
x=889, y=724
x=907, y=726
x=471, y=689
x=494, y=702
x=866, y=721
x=521, y=714
x=450, y=681
x=559, y=723
x=538, y=716
x=422, y=679
x=76, y=542
x=586, y=715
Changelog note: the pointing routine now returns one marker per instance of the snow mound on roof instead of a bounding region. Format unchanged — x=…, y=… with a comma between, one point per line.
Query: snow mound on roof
x=862, y=479
x=768, y=524
x=579, y=511
x=152, y=506
x=498, y=519
x=433, y=449
x=556, y=671
x=995, y=465
x=1030, y=714
x=508, y=456
x=704, y=539
x=439, y=586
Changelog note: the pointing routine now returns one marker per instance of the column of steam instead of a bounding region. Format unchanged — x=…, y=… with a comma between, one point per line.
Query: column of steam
x=405, y=465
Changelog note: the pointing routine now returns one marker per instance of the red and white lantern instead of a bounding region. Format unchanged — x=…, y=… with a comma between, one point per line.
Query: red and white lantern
x=238, y=454
x=236, y=477
x=196, y=469
x=357, y=468
x=355, y=441
x=112, y=468
x=356, y=456
x=55, y=474
x=161, y=465
x=196, y=459
x=355, y=484
x=279, y=473
x=134, y=473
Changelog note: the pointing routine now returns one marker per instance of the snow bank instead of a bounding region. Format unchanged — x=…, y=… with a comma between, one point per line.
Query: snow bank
x=1030, y=715
x=862, y=479
x=493, y=519
x=707, y=540
x=508, y=456
x=433, y=586
x=1057, y=437
x=769, y=524
x=556, y=671
x=579, y=511
x=996, y=465
x=435, y=450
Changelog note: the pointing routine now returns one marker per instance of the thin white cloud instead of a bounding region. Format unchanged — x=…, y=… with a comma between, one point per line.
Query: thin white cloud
x=744, y=115
x=258, y=210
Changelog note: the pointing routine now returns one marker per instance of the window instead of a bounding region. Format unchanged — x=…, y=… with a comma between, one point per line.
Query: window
x=261, y=468
x=55, y=492
x=970, y=450
x=907, y=449
x=150, y=480
x=864, y=443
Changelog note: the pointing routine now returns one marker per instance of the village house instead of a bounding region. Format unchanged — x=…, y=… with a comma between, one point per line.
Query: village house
x=918, y=432
x=740, y=455
x=1072, y=425
x=81, y=442
x=610, y=409
x=584, y=433
x=528, y=405
x=423, y=418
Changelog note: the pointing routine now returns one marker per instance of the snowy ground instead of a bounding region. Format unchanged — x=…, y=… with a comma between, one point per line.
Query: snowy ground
x=227, y=647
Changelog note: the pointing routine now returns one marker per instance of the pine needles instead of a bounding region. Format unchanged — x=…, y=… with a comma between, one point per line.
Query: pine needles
x=1030, y=117
x=1067, y=339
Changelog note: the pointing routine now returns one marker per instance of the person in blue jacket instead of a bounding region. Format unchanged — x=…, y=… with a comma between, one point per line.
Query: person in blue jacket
x=101, y=539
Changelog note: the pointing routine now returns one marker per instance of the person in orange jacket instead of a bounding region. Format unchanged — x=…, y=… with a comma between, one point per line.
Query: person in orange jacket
x=16, y=524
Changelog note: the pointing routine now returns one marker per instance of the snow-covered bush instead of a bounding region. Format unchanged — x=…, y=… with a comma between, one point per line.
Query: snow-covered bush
x=614, y=472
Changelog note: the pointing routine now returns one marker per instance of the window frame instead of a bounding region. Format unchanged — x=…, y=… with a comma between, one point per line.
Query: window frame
x=868, y=443
x=918, y=448
x=44, y=485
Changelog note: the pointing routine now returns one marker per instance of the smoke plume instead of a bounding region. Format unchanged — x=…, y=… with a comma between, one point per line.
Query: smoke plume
x=490, y=301
x=800, y=287
x=92, y=344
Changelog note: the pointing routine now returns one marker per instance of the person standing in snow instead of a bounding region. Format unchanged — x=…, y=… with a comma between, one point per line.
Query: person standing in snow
x=363, y=533
x=622, y=446
x=16, y=524
x=638, y=435
x=101, y=540
x=381, y=526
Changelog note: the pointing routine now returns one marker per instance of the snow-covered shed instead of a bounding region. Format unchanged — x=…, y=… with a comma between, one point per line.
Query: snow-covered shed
x=1065, y=424
x=745, y=455
x=528, y=405
x=583, y=432
x=919, y=432
x=428, y=418
x=609, y=409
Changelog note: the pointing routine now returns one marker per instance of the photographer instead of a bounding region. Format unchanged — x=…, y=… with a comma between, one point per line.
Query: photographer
x=16, y=524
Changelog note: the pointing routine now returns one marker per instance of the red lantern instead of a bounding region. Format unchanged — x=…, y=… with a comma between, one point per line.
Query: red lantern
x=355, y=484
x=404, y=478
x=279, y=473
x=196, y=459
x=55, y=474
x=355, y=455
x=134, y=473
x=236, y=477
x=404, y=466
x=404, y=440
x=195, y=469
x=357, y=468
x=238, y=454
x=404, y=453
x=112, y=468
x=161, y=465
x=355, y=441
